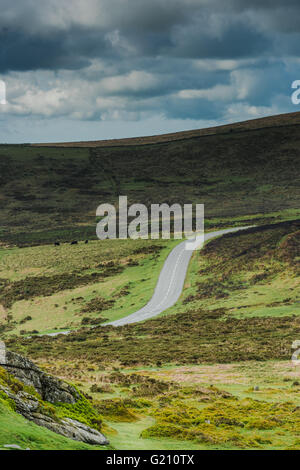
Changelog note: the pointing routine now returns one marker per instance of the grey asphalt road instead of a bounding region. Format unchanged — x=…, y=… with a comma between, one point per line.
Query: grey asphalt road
x=170, y=283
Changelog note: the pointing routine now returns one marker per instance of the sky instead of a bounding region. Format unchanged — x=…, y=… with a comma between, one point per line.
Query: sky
x=99, y=69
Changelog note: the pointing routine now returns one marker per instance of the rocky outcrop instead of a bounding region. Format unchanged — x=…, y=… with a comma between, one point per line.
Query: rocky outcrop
x=51, y=390
x=72, y=429
x=28, y=406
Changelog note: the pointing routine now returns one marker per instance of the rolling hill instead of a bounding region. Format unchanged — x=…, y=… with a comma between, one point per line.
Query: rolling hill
x=212, y=372
x=247, y=169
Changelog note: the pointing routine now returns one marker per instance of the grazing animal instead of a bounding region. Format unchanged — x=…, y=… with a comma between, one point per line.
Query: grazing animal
x=74, y=243
x=56, y=244
x=86, y=242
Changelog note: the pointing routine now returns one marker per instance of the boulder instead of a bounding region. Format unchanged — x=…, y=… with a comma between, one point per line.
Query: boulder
x=70, y=428
x=28, y=406
x=50, y=388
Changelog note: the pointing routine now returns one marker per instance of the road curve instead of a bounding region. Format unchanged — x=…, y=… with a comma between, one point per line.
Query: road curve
x=170, y=282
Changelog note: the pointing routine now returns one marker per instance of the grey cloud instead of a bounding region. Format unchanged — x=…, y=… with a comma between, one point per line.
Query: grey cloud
x=31, y=38
x=126, y=59
x=236, y=41
x=64, y=50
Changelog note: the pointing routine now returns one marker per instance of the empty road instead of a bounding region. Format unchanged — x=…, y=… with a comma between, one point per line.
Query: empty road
x=170, y=283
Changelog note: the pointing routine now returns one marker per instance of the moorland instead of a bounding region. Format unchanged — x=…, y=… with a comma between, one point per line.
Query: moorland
x=213, y=371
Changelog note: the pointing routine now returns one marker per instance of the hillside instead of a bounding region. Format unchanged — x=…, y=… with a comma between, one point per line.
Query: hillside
x=212, y=372
x=51, y=409
x=52, y=193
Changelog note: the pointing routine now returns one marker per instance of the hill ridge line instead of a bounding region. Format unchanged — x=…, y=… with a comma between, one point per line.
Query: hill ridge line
x=269, y=122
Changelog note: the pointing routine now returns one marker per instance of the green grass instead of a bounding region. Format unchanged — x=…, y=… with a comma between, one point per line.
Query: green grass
x=232, y=327
x=249, y=405
x=238, y=320
x=215, y=269
x=230, y=280
x=36, y=277
x=47, y=260
x=82, y=410
x=212, y=223
x=252, y=274
x=15, y=429
x=127, y=436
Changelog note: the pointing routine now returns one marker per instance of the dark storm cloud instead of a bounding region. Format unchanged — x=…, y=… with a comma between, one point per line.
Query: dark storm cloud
x=70, y=49
x=32, y=39
x=183, y=59
x=237, y=40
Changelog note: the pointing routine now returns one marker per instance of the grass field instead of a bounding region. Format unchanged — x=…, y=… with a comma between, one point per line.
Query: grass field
x=253, y=274
x=212, y=372
x=16, y=430
x=222, y=353
x=47, y=288
x=245, y=405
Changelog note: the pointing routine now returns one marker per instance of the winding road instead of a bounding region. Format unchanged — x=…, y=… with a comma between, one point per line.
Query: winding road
x=171, y=281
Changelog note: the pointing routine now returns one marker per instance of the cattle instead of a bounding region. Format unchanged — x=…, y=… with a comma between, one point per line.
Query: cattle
x=56, y=244
x=74, y=243
x=86, y=242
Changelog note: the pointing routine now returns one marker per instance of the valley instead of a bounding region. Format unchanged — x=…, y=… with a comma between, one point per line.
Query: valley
x=214, y=370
